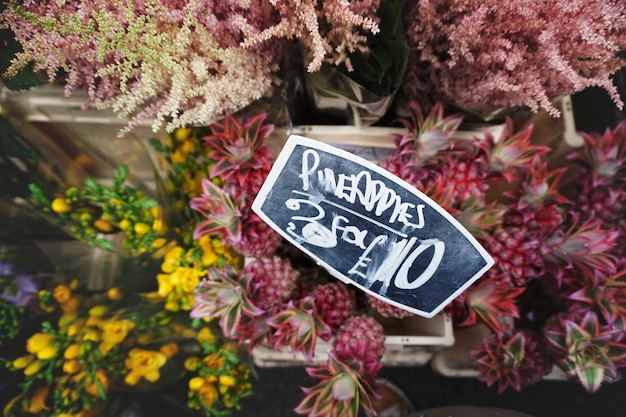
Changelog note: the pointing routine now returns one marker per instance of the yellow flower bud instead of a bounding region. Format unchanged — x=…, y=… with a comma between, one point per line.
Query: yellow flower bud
x=23, y=361
x=74, y=284
x=182, y=134
x=33, y=368
x=48, y=352
x=98, y=310
x=191, y=363
x=72, y=351
x=74, y=328
x=141, y=228
x=60, y=206
x=196, y=383
x=124, y=224
x=114, y=294
x=103, y=225
x=158, y=242
x=38, y=341
x=158, y=225
x=227, y=380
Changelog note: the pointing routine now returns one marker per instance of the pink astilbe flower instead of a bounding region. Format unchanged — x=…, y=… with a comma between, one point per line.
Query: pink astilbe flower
x=483, y=56
x=178, y=63
x=328, y=30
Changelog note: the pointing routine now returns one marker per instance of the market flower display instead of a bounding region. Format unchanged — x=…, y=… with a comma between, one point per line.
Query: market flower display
x=200, y=280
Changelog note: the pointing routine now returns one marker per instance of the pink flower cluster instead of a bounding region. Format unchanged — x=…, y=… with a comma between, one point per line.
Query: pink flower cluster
x=179, y=62
x=483, y=56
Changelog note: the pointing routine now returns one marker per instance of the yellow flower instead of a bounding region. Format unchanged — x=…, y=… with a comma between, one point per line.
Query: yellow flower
x=113, y=333
x=165, y=285
x=188, y=278
x=59, y=205
x=143, y=364
x=169, y=349
x=91, y=335
x=38, y=341
x=71, y=366
x=23, y=361
x=47, y=352
x=62, y=293
x=191, y=363
x=37, y=402
x=171, y=259
x=101, y=377
x=205, y=335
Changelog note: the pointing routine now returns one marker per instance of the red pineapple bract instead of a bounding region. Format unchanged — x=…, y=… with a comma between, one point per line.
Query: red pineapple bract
x=223, y=295
x=511, y=358
x=240, y=226
x=240, y=154
x=585, y=349
x=604, y=160
x=299, y=326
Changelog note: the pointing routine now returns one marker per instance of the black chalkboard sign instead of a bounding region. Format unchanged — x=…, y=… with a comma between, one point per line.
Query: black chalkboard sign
x=368, y=227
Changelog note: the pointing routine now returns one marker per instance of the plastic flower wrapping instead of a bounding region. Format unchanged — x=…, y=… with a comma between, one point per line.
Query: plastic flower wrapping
x=164, y=287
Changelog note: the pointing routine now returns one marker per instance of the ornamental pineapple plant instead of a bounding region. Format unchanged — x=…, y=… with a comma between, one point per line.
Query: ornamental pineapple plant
x=558, y=249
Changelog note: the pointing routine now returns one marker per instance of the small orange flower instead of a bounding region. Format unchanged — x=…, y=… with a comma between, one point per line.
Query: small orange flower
x=37, y=402
x=169, y=349
x=62, y=293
